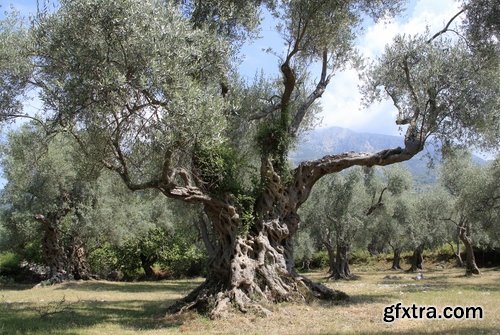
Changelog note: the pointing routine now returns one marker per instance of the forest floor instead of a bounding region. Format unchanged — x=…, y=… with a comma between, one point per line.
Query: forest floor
x=101, y=307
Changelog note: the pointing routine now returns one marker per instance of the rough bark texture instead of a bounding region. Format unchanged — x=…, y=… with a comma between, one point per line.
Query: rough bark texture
x=341, y=268
x=470, y=260
x=53, y=249
x=65, y=260
x=78, y=264
x=396, y=260
x=254, y=268
x=417, y=259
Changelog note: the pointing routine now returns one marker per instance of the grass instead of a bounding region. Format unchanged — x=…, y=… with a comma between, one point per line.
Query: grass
x=101, y=307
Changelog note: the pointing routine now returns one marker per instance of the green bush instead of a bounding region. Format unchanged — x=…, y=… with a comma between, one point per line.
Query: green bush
x=9, y=263
x=320, y=260
x=103, y=260
x=361, y=256
x=183, y=260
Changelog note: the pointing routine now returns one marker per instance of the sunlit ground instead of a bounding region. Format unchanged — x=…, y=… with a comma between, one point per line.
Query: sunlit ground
x=101, y=307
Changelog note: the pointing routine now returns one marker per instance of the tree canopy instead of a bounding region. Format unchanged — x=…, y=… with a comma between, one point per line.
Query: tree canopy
x=150, y=90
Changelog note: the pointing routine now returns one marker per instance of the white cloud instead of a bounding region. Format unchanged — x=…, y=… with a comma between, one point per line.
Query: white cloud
x=342, y=101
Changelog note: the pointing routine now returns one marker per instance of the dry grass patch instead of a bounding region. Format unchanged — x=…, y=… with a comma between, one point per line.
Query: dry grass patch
x=138, y=308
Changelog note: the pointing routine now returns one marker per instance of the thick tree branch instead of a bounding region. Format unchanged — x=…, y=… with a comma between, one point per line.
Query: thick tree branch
x=316, y=94
x=308, y=173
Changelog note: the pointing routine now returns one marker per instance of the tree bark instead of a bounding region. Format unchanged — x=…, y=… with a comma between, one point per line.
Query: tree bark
x=79, y=267
x=255, y=266
x=65, y=261
x=53, y=248
x=470, y=260
x=147, y=265
x=417, y=259
x=341, y=269
x=331, y=257
x=396, y=260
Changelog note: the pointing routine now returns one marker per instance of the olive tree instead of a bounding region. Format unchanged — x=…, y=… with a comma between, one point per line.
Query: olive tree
x=388, y=209
x=335, y=213
x=45, y=199
x=150, y=90
x=476, y=200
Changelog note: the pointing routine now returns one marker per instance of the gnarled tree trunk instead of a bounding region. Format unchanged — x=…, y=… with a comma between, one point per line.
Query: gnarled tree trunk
x=254, y=267
x=79, y=266
x=64, y=261
x=341, y=269
x=470, y=260
x=53, y=248
x=417, y=258
x=396, y=260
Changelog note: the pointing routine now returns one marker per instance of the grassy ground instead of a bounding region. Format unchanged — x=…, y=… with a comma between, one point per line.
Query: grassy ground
x=101, y=307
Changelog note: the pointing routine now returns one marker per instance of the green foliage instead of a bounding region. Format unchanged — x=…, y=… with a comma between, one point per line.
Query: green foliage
x=245, y=205
x=274, y=141
x=219, y=166
x=9, y=263
x=181, y=259
x=442, y=84
x=103, y=260
x=361, y=256
x=15, y=68
x=320, y=260
x=175, y=254
x=475, y=197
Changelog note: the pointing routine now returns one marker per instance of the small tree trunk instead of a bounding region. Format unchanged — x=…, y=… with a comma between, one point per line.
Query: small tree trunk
x=417, y=259
x=78, y=259
x=396, y=260
x=147, y=265
x=341, y=269
x=470, y=260
x=460, y=262
x=331, y=257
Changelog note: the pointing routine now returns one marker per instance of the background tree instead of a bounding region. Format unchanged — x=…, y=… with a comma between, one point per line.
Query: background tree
x=335, y=213
x=476, y=198
x=45, y=199
x=427, y=229
x=145, y=88
x=388, y=210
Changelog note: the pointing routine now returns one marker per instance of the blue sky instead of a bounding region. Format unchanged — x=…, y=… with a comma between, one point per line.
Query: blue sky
x=342, y=102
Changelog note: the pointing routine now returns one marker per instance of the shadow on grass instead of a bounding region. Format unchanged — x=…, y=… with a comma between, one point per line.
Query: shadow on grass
x=357, y=299
x=461, y=330
x=16, y=287
x=73, y=318
x=436, y=284
x=179, y=287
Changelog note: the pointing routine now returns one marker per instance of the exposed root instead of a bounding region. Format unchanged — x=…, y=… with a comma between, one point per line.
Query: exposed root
x=217, y=303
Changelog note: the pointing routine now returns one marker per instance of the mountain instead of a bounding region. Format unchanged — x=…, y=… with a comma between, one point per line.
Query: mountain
x=334, y=140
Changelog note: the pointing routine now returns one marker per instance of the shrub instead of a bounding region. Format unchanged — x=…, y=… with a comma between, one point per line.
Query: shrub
x=9, y=263
x=103, y=260
x=320, y=260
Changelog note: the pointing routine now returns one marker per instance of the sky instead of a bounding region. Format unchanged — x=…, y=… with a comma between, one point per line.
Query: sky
x=341, y=102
